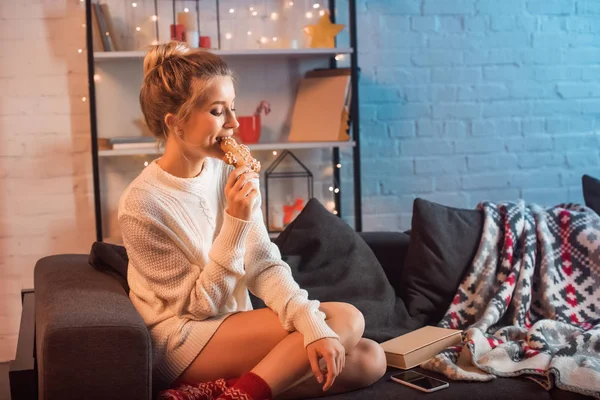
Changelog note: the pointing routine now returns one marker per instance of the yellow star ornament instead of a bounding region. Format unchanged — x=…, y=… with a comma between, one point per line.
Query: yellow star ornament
x=323, y=33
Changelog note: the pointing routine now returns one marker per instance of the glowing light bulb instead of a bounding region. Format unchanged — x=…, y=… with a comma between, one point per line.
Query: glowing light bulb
x=316, y=5
x=255, y=13
x=274, y=16
x=137, y=28
x=339, y=165
x=186, y=10
x=84, y=99
x=228, y=36
x=96, y=78
x=145, y=163
x=80, y=51
x=263, y=39
x=339, y=57
x=83, y=25
x=309, y=15
x=322, y=12
x=154, y=18
x=251, y=8
x=291, y=4
x=133, y=5
x=337, y=190
x=249, y=33
x=274, y=38
x=231, y=11
x=274, y=153
x=335, y=212
x=331, y=188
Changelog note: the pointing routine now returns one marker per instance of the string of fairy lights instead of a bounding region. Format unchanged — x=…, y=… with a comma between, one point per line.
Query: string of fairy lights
x=273, y=16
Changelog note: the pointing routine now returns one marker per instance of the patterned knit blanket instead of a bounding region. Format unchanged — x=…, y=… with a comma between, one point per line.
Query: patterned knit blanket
x=529, y=304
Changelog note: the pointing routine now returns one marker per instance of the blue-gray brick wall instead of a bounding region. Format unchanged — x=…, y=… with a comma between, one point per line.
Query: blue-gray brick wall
x=470, y=100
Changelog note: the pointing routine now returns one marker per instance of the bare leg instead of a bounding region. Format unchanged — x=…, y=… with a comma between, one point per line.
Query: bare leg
x=365, y=365
x=256, y=341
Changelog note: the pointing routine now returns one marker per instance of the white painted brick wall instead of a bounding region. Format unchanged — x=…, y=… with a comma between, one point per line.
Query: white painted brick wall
x=472, y=100
x=46, y=206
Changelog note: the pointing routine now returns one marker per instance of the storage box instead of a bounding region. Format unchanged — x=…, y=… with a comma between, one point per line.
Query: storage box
x=414, y=348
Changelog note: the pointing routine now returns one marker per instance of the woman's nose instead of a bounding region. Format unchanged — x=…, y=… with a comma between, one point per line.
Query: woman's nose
x=232, y=122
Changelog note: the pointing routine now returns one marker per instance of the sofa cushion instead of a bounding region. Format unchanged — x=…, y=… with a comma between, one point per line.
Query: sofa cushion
x=111, y=259
x=390, y=249
x=442, y=245
x=591, y=192
x=333, y=263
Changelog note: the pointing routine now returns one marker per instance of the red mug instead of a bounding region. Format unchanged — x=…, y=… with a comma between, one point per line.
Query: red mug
x=205, y=42
x=249, y=129
x=178, y=32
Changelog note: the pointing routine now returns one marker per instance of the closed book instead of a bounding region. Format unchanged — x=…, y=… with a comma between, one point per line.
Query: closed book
x=104, y=32
x=104, y=144
x=132, y=139
x=149, y=145
x=414, y=348
x=96, y=35
x=112, y=33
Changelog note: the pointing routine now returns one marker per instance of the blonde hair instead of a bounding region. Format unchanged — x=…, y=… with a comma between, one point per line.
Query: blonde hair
x=170, y=71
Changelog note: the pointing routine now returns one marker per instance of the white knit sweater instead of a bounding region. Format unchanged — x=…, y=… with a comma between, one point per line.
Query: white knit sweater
x=191, y=265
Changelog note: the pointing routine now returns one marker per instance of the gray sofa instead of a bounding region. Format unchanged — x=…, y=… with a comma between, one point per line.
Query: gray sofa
x=81, y=338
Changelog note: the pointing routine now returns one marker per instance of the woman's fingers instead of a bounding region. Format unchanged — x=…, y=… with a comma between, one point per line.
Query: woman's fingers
x=243, y=180
x=340, y=363
x=313, y=359
x=234, y=175
x=332, y=370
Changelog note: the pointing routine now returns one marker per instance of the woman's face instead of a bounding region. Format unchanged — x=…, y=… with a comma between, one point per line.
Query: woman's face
x=214, y=118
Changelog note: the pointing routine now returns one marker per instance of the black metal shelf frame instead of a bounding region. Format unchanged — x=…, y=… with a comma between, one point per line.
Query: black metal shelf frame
x=354, y=116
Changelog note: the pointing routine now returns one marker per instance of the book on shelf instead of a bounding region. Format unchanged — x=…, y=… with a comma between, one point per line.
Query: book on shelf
x=96, y=35
x=416, y=347
x=105, y=26
x=321, y=109
x=110, y=27
x=128, y=142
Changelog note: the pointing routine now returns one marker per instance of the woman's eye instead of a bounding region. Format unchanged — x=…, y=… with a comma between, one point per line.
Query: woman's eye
x=233, y=110
x=216, y=113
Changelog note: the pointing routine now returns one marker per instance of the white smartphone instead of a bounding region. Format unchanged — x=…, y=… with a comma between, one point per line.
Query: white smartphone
x=419, y=381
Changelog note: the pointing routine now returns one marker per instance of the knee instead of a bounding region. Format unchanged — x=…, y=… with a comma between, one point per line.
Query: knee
x=351, y=324
x=371, y=362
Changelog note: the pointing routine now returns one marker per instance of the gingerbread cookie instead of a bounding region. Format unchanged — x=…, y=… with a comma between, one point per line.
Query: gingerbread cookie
x=238, y=154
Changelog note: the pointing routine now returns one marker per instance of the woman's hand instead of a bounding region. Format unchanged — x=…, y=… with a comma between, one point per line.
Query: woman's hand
x=241, y=193
x=334, y=354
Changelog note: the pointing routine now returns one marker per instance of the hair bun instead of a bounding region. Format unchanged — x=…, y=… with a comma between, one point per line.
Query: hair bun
x=160, y=53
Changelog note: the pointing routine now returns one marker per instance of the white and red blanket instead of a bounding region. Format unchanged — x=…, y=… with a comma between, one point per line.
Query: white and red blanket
x=529, y=304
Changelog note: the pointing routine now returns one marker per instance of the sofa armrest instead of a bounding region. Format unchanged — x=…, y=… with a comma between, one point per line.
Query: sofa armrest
x=91, y=343
x=390, y=248
x=22, y=371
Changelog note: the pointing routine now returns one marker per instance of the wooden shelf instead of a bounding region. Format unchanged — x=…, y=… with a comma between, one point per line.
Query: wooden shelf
x=116, y=55
x=256, y=147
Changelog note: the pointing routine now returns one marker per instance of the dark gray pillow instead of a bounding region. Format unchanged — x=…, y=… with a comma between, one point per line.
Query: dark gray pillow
x=111, y=259
x=591, y=192
x=443, y=243
x=333, y=263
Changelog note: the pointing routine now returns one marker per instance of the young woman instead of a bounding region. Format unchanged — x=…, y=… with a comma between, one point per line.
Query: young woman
x=196, y=242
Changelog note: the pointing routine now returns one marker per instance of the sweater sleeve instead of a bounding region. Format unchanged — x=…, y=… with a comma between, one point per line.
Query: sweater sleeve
x=270, y=278
x=195, y=291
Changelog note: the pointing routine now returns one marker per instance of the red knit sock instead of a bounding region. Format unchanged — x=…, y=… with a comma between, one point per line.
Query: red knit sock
x=249, y=387
x=194, y=391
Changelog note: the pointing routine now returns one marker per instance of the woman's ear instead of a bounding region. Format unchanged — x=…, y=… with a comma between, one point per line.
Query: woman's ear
x=172, y=125
x=171, y=122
